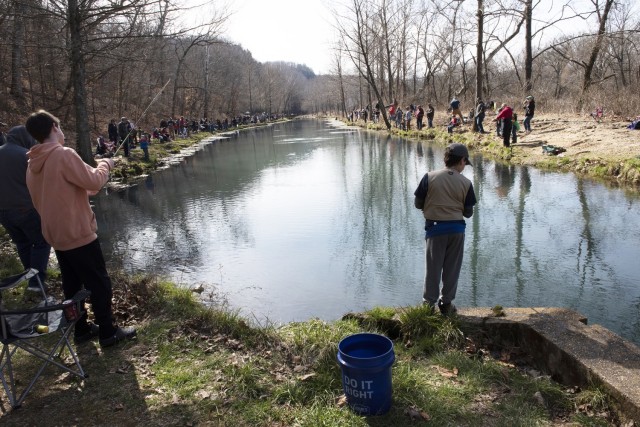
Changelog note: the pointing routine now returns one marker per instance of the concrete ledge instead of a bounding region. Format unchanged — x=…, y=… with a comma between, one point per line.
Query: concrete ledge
x=563, y=345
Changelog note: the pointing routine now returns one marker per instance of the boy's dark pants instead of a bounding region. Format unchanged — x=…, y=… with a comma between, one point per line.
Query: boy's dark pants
x=506, y=132
x=85, y=266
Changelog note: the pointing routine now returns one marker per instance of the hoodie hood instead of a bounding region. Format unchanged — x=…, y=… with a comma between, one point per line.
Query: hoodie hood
x=39, y=154
x=18, y=135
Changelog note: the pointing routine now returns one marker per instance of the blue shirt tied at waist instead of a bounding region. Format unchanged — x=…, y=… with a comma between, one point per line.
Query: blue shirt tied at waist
x=439, y=228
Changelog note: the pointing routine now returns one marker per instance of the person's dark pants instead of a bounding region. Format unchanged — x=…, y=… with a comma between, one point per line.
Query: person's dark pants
x=146, y=153
x=506, y=132
x=443, y=260
x=85, y=267
x=430, y=121
x=479, y=126
x=23, y=226
x=419, y=123
x=499, y=127
x=125, y=146
x=527, y=123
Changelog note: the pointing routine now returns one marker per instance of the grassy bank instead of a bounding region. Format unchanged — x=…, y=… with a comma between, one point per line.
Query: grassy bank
x=205, y=365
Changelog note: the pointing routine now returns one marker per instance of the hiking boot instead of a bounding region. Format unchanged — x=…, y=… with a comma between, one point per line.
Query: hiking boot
x=121, y=334
x=92, y=332
x=447, y=309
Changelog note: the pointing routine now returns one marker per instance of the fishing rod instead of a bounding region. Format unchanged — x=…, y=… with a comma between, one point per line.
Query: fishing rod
x=126, y=139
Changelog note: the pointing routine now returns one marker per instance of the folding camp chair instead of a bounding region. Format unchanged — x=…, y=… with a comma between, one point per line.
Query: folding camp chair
x=40, y=328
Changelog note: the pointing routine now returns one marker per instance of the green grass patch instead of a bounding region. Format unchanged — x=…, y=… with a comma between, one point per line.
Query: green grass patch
x=194, y=365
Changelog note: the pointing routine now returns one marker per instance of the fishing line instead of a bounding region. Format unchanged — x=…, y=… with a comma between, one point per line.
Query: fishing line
x=126, y=139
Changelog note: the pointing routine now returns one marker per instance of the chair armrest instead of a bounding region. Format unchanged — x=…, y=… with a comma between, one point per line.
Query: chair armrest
x=11, y=281
x=77, y=298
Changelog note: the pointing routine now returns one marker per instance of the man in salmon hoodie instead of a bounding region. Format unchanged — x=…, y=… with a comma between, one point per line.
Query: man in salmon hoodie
x=60, y=184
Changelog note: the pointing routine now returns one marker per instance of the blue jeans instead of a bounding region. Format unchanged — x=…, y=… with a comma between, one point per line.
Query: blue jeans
x=23, y=226
x=527, y=123
x=479, y=121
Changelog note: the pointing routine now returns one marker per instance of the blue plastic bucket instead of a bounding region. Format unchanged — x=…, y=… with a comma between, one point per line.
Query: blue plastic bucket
x=366, y=361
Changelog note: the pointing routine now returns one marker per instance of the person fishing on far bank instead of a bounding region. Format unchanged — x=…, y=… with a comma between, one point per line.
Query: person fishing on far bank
x=445, y=198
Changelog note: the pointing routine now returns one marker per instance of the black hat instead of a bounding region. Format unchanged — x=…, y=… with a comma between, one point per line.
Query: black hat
x=460, y=150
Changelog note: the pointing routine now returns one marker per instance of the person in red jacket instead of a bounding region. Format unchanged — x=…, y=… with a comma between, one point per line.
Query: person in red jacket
x=60, y=184
x=505, y=114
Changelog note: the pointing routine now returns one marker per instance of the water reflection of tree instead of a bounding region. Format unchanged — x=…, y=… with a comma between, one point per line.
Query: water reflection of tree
x=381, y=216
x=474, y=233
x=524, y=189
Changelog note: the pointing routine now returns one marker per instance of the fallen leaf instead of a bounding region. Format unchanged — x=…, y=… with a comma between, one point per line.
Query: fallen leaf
x=123, y=369
x=307, y=376
x=446, y=372
x=341, y=401
x=298, y=368
x=203, y=394
x=416, y=414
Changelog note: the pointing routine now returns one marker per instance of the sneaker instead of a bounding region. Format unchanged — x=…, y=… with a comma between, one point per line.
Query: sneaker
x=121, y=334
x=94, y=331
x=447, y=309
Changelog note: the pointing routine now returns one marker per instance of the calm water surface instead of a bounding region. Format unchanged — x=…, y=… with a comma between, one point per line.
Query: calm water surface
x=303, y=220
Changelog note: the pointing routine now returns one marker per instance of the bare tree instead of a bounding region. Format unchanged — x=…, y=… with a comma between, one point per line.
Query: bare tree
x=603, y=15
x=182, y=47
x=355, y=30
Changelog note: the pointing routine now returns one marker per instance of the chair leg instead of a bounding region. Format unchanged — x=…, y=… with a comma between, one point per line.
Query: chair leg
x=47, y=358
x=7, y=367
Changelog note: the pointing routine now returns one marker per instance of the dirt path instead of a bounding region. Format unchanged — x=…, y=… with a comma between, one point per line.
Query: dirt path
x=580, y=136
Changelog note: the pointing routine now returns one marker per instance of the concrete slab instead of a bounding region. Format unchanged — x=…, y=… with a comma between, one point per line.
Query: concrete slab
x=563, y=345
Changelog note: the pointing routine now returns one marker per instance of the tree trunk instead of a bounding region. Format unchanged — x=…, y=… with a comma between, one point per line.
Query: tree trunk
x=17, y=49
x=479, y=55
x=387, y=47
x=205, y=107
x=528, y=52
x=588, y=69
x=83, y=136
x=342, y=100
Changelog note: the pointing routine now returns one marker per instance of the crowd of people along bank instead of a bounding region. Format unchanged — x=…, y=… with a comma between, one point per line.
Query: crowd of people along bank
x=126, y=135
x=505, y=117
